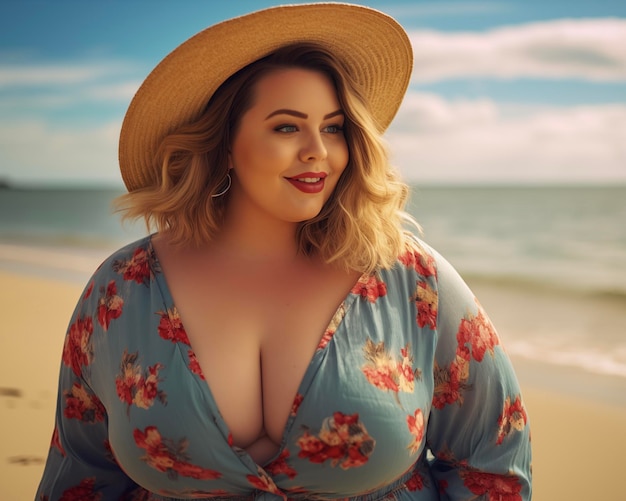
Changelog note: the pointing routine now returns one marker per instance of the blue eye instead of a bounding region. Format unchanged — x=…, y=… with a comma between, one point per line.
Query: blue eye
x=334, y=129
x=286, y=128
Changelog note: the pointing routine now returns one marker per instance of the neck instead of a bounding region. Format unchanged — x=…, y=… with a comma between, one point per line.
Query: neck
x=257, y=239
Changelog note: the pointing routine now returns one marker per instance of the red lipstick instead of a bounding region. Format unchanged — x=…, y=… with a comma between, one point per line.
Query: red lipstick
x=308, y=182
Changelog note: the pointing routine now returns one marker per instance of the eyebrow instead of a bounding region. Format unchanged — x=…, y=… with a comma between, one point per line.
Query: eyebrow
x=284, y=111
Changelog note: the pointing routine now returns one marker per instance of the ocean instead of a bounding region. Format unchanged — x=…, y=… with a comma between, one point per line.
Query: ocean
x=551, y=261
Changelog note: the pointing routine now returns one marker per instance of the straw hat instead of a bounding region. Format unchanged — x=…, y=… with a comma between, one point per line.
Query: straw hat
x=371, y=44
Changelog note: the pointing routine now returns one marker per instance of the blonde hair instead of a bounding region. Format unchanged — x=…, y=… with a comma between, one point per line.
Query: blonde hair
x=360, y=227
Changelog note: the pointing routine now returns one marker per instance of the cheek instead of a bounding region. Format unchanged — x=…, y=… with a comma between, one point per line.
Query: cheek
x=261, y=152
x=341, y=156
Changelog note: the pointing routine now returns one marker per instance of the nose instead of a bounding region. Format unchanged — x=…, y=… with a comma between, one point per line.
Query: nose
x=313, y=149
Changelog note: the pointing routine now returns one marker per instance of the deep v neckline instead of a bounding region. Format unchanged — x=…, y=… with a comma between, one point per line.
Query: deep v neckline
x=335, y=322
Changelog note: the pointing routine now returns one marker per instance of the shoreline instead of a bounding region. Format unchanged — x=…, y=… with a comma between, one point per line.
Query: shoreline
x=571, y=416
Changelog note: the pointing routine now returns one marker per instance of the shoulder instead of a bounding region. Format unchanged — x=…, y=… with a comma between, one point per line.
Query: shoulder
x=121, y=290
x=414, y=271
x=419, y=256
x=417, y=260
x=133, y=262
x=422, y=268
x=427, y=262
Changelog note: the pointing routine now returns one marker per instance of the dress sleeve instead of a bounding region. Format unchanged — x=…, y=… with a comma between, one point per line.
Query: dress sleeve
x=478, y=431
x=80, y=463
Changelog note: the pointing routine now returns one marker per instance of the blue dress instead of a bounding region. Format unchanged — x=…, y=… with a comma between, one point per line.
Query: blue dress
x=409, y=396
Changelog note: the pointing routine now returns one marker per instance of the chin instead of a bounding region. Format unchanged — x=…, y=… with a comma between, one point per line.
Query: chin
x=306, y=217
x=305, y=214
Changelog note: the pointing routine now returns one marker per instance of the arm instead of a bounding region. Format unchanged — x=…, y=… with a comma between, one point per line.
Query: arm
x=478, y=430
x=80, y=463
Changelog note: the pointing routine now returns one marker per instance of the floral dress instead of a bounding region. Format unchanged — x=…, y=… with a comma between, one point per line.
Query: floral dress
x=409, y=396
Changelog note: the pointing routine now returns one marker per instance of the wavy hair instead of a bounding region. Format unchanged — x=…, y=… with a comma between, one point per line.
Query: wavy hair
x=360, y=227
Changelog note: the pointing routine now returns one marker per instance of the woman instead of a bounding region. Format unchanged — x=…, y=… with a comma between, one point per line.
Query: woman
x=281, y=336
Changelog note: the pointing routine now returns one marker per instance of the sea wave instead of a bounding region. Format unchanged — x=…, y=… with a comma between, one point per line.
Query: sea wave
x=549, y=285
x=591, y=359
x=74, y=264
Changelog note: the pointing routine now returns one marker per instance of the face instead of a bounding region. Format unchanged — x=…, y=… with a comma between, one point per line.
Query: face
x=289, y=149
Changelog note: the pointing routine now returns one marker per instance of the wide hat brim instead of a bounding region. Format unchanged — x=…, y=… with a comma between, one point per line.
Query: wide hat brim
x=372, y=45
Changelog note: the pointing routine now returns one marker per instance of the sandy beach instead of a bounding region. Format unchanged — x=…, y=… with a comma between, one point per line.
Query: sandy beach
x=578, y=441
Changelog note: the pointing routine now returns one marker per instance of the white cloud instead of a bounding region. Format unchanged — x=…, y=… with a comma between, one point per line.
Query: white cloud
x=434, y=140
x=441, y=8
x=39, y=89
x=36, y=75
x=43, y=101
x=122, y=91
x=587, y=49
x=38, y=152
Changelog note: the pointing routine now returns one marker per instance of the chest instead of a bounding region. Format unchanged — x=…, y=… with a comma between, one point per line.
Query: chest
x=254, y=366
x=253, y=334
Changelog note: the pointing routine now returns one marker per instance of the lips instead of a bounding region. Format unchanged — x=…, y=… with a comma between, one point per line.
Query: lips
x=308, y=182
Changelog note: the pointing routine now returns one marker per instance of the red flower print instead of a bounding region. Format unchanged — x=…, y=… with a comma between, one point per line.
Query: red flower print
x=447, y=456
x=475, y=337
x=332, y=327
x=171, y=327
x=128, y=378
x=386, y=373
x=370, y=287
x=426, y=300
x=513, y=417
x=136, y=386
x=416, y=428
x=415, y=483
x=109, y=454
x=137, y=494
x=194, y=366
x=88, y=291
x=77, y=350
x=109, y=305
x=168, y=456
x=493, y=487
x=417, y=258
x=479, y=333
x=328, y=335
x=218, y=494
x=381, y=377
x=83, y=406
x=147, y=389
x=56, y=441
x=124, y=390
x=136, y=268
x=342, y=439
x=192, y=471
x=279, y=466
x=450, y=383
x=311, y=447
x=296, y=404
x=443, y=486
x=158, y=455
x=85, y=491
x=264, y=483
x=406, y=373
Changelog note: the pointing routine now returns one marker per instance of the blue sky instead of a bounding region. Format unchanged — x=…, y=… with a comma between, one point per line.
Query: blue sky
x=503, y=91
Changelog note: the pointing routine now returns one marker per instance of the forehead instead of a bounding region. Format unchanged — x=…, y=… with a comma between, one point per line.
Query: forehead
x=299, y=86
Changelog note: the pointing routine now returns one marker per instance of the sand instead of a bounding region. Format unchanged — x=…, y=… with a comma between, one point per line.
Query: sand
x=578, y=442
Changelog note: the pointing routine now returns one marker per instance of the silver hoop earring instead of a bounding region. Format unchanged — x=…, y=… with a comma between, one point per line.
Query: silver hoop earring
x=229, y=181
